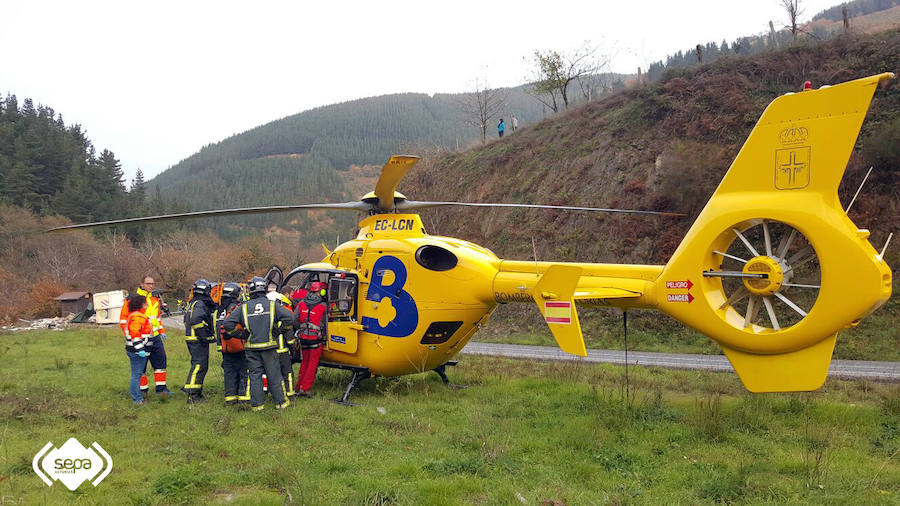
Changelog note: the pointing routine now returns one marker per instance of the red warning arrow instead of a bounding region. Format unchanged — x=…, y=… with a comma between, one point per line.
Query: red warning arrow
x=680, y=297
x=679, y=285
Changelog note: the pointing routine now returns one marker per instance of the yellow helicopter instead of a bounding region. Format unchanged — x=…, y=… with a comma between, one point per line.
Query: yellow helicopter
x=771, y=269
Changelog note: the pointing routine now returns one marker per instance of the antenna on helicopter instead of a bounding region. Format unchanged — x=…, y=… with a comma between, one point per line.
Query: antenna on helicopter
x=847, y=211
x=884, y=248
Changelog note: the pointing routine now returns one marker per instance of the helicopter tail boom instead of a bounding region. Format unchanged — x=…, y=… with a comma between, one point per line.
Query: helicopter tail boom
x=557, y=287
x=773, y=267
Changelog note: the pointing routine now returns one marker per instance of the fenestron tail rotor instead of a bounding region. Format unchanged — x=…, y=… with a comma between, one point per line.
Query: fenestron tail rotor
x=770, y=277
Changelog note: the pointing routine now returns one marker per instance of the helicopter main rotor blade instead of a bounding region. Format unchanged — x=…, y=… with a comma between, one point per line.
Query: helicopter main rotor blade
x=391, y=174
x=343, y=206
x=408, y=205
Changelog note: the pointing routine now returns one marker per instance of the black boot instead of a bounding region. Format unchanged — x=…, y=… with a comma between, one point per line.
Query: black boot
x=196, y=398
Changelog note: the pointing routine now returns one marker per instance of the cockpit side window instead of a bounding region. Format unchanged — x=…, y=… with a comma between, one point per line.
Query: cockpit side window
x=342, y=299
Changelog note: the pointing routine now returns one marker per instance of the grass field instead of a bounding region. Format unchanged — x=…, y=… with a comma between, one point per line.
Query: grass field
x=538, y=433
x=877, y=337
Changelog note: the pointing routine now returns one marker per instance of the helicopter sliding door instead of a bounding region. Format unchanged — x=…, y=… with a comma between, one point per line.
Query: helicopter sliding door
x=343, y=327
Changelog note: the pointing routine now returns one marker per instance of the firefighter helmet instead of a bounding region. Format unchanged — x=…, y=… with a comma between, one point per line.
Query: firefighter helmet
x=202, y=287
x=231, y=290
x=257, y=286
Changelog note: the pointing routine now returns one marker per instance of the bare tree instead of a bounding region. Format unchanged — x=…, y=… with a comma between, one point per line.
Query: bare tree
x=555, y=71
x=546, y=79
x=793, y=10
x=599, y=82
x=482, y=105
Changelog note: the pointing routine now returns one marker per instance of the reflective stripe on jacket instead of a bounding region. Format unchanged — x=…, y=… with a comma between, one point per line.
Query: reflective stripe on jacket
x=139, y=331
x=263, y=320
x=153, y=309
x=198, y=321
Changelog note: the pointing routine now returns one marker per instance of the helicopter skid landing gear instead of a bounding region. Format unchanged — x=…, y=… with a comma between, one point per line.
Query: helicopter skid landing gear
x=441, y=370
x=358, y=376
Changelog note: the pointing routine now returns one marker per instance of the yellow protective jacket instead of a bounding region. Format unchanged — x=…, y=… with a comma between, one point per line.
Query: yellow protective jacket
x=153, y=309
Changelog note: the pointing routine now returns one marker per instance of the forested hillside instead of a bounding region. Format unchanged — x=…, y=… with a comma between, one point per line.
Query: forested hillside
x=364, y=131
x=866, y=16
x=52, y=168
x=295, y=159
x=855, y=8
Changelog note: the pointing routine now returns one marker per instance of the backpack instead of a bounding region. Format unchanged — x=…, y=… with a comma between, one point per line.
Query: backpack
x=230, y=344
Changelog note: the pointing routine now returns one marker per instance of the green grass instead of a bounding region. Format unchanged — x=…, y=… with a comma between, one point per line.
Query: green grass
x=877, y=337
x=562, y=432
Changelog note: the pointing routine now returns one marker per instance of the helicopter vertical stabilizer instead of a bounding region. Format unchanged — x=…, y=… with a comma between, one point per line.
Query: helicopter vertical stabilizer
x=773, y=268
x=554, y=294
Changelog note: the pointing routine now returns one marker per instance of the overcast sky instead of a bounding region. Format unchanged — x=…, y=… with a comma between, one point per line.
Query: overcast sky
x=155, y=81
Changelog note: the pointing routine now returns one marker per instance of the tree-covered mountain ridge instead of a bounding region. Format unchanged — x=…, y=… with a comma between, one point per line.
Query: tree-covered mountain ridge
x=307, y=157
x=356, y=132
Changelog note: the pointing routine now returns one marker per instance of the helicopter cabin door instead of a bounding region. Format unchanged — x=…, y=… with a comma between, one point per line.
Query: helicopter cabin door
x=343, y=327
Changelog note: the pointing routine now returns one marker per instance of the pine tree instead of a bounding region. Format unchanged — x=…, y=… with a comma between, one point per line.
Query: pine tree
x=20, y=186
x=109, y=185
x=28, y=107
x=12, y=105
x=138, y=193
x=76, y=199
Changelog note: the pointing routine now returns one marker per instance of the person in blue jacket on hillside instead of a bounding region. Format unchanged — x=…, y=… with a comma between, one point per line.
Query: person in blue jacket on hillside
x=501, y=127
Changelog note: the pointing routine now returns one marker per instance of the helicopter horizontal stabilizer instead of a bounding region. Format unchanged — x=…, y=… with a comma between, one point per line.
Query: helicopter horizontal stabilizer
x=554, y=294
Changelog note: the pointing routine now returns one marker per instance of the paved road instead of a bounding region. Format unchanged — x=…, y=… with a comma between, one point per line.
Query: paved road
x=857, y=369
x=175, y=322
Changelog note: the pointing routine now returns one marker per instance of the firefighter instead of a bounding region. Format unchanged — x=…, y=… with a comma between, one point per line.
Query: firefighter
x=198, y=329
x=263, y=320
x=137, y=334
x=156, y=348
x=286, y=343
x=234, y=360
x=312, y=317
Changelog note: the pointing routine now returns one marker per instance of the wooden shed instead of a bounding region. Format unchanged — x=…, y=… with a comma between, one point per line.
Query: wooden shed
x=73, y=302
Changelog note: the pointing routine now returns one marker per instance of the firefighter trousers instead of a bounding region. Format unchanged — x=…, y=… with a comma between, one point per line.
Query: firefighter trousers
x=234, y=366
x=199, y=351
x=157, y=360
x=266, y=362
x=287, y=372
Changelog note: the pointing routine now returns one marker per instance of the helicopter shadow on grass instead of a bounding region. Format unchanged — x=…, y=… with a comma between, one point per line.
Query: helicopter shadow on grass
x=332, y=382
